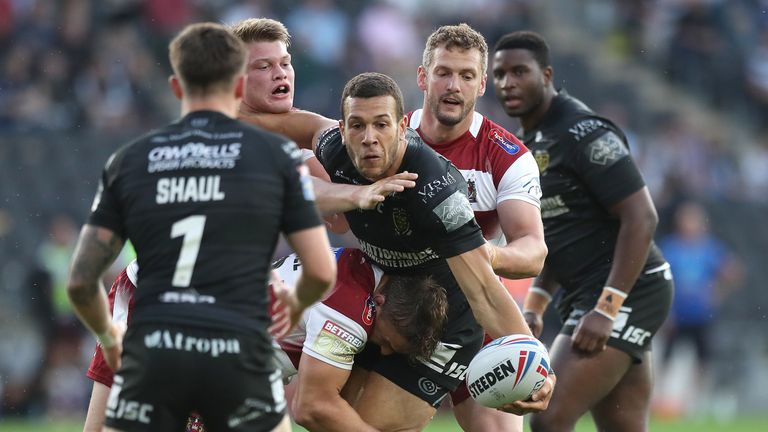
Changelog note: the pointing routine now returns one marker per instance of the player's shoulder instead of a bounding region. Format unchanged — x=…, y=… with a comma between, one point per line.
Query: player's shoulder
x=329, y=140
x=578, y=123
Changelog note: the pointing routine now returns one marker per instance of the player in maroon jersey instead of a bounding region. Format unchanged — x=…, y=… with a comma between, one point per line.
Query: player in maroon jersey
x=400, y=314
x=497, y=167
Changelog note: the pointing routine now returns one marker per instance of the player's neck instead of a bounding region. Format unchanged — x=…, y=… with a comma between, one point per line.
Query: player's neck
x=534, y=118
x=435, y=132
x=226, y=106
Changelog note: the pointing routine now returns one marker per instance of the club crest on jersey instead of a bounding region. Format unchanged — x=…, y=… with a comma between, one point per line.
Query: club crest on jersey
x=471, y=191
x=400, y=221
x=508, y=146
x=542, y=160
x=369, y=312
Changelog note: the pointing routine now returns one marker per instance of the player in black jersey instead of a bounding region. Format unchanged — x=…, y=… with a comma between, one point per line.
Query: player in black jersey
x=203, y=201
x=599, y=222
x=427, y=229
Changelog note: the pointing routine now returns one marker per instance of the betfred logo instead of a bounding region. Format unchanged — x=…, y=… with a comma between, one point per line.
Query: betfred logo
x=508, y=146
x=341, y=333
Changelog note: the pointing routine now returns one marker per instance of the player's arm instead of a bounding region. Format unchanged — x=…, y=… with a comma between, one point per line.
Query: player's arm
x=638, y=219
x=94, y=420
x=537, y=299
x=96, y=250
x=303, y=127
x=318, y=272
x=318, y=404
x=338, y=198
x=496, y=312
x=493, y=306
x=525, y=251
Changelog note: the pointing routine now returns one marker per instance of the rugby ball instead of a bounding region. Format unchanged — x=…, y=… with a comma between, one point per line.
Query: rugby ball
x=508, y=369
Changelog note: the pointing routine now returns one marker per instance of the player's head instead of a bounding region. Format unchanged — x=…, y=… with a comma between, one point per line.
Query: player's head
x=373, y=124
x=452, y=72
x=410, y=315
x=207, y=60
x=270, y=73
x=522, y=73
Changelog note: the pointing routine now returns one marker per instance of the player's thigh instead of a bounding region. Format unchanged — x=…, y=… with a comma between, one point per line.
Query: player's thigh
x=388, y=407
x=582, y=381
x=238, y=391
x=94, y=420
x=473, y=417
x=626, y=407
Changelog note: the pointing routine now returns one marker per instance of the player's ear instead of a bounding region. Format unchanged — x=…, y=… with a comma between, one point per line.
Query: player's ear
x=240, y=86
x=483, y=81
x=421, y=78
x=175, y=84
x=379, y=299
x=547, y=72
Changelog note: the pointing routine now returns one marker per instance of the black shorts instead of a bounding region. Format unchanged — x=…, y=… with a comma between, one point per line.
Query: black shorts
x=639, y=318
x=431, y=379
x=168, y=371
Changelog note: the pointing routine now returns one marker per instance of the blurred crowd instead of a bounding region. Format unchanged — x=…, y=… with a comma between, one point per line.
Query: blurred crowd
x=75, y=72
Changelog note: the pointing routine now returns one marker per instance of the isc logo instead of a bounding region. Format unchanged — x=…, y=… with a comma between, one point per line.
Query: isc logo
x=128, y=410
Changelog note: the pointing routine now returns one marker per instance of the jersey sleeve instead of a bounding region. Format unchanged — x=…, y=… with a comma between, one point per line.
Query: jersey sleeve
x=603, y=162
x=328, y=144
x=332, y=337
x=521, y=181
x=106, y=209
x=120, y=304
x=299, y=210
x=441, y=196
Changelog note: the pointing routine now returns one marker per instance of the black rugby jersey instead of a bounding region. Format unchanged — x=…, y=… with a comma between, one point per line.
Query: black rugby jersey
x=413, y=231
x=585, y=168
x=203, y=200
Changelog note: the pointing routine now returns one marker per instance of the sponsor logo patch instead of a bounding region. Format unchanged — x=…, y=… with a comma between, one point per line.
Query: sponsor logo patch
x=607, y=149
x=369, y=312
x=454, y=211
x=500, y=140
x=542, y=160
x=337, y=343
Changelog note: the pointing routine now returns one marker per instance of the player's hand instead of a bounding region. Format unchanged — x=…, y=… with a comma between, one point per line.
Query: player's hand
x=592, y=333
x=535, y=322
x=538, y=401
x=370, y=195
x=286, y=310
x=114, y=351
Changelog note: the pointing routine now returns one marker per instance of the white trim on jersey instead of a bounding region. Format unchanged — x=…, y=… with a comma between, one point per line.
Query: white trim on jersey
x=124, y=294
x=521, y=181
x=306, y=155
x=133, y=272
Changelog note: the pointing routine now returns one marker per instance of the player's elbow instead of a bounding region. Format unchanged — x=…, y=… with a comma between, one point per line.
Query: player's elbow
x=538, y=256
x=312, y=415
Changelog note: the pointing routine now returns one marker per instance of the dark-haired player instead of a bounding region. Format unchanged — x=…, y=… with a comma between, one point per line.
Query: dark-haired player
x=599, y=222
x=203, y=200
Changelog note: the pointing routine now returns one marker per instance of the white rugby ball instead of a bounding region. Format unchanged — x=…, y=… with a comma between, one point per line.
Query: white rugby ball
x=508, y=369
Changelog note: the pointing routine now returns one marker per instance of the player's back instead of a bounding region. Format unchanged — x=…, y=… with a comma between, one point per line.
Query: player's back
x=203, y=201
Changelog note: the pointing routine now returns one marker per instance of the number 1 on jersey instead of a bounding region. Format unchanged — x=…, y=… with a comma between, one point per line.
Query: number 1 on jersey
x=192, y=229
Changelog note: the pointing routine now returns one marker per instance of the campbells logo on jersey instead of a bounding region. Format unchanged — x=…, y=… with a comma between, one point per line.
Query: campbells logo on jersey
x=498, y=137
x=369, y=312
x=400, y=220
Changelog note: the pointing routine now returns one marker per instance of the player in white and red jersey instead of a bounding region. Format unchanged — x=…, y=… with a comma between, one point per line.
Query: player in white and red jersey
x=502, y=175
x=400, y=314
x=503, y=188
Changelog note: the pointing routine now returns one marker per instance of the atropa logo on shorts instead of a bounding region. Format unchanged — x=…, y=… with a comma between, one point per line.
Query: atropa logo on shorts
x=163, y=339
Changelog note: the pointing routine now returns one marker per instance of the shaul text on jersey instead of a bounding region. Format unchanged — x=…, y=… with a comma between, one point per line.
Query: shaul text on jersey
x=189, y=189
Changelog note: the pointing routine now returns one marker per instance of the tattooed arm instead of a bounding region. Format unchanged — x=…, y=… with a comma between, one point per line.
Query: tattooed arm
x=96, y=249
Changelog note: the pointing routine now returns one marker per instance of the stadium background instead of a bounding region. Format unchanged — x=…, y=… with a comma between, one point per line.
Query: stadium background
x=687, y=79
